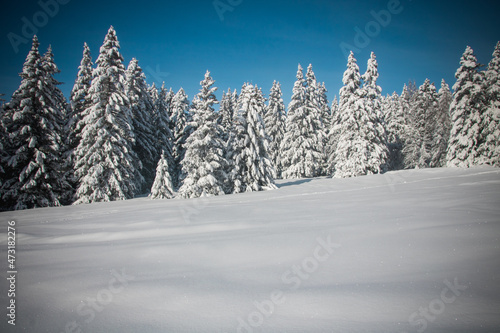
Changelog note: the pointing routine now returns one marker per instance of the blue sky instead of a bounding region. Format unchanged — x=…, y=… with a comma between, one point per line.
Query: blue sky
x=257, y=41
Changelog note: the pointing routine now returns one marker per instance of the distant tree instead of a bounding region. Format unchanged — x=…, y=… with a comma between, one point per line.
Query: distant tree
x=34, y=119
x=490, y=139
x=142, y=112
x=251, y=169
x=466, y=113
x=105, y=159
x=204, y=163
x=274, y=121
x=162, y=186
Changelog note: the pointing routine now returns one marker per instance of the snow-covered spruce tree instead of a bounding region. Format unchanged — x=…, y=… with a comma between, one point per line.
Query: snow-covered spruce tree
x=105, y=159
x=163, y=187
x=333, y=137
x=301, y=150
x=163, y=136
x=325, y=111
x=251, y=169
x=490, y=141
x=274, y=123
x=465, y=110
x=442, y=126
x=204, y=163
x=182, y=130
x=4, y=151
x=317, y=103
x=361, y=148
x=398, y=128
x=36, y=114
x=142, y=112
x=168, y=97
x=153, y=93
x=227, y=109
x=79, y=101
x=422, y=150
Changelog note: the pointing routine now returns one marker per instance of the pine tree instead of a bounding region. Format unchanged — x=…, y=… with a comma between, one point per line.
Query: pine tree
x=490, y=141
x=182, y=130
x=466, y=109
x=142, y=112
x=105, y=159
x=248, y=145
x=34, y=119
x=301, y=150
x=274, y=123
x=162, y=186
x=361, y=148
x=204, y=163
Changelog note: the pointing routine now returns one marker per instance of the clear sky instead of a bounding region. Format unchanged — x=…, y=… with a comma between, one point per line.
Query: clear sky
x=254, y=40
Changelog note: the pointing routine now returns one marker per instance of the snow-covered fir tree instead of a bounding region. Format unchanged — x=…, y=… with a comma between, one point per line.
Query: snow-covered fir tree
x=442, y=126
x=180, y=118
x=361, y=147
x=325, y=110
x=398, y=128
x=105, y=160
x=4, y=149
x=466, y=113
x=251, y=168
x=153, y=93
x=274, y=122
x=423, y=149
x=333, y=137
x=142, y=112
x=317, y=104
x=79, y=100
x=490, y=141
x=163, y=187
x=302, y=152
x=227, y=109
x=164, y=139
x=204, y=162
x=36, y=115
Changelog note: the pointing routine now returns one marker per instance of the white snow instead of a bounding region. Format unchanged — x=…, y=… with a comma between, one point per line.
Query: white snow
x=217, y=264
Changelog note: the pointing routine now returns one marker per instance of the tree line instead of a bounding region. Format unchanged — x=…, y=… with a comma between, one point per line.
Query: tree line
x=118, y=137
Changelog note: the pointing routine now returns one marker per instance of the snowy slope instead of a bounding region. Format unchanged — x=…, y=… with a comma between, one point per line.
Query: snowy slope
x=368, y=254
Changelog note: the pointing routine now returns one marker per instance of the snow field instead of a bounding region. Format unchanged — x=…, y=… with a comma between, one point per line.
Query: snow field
x=408, y=251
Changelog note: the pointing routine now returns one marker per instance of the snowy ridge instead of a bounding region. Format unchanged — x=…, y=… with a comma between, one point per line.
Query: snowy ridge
x=407, y=251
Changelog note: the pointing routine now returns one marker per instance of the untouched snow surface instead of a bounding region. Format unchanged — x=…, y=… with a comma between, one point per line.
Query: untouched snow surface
x=407, y=251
